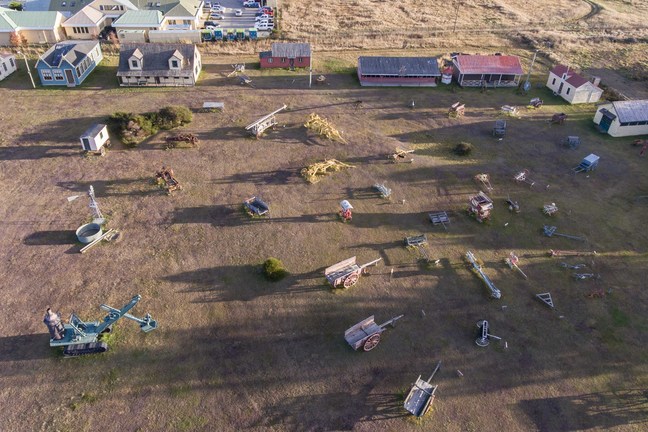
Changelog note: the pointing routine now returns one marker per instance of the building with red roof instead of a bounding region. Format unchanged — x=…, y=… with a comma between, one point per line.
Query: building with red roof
x=487, y=70
x=572, y=87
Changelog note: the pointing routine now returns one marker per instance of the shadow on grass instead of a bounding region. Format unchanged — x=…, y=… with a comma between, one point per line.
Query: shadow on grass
x=44, y=238
x=588, y=411
x=25, y=347
x=141, y=186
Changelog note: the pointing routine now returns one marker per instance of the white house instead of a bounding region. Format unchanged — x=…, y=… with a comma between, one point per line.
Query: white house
x=7, y=65
x=623, y=118
x=573, y=87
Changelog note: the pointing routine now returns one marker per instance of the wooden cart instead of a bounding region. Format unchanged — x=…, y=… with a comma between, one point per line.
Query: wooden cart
x=347, y=272
x=421, y=396
x=366, y=334
x=256, y=207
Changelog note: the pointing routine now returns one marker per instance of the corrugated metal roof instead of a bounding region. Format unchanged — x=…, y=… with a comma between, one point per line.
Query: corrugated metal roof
x=143, y=18
x=399, y=66
x=489, y=64
x=291, y=50
x=94, y=130
x=69, y=51
x=156, y=59
x=632, y=110
x=6, y=23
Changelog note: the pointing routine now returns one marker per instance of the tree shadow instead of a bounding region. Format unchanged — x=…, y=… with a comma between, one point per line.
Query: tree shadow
x=285, y=176
x=67, y=130
x=588, y=411
x=48, y=238
x=30, y=152
x=141, y=186
x=240, y=283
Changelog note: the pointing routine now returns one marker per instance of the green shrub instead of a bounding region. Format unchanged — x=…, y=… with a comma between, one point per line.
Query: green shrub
x=132, y=128
x=463, y=149
x=274, y=270
x=172, y=117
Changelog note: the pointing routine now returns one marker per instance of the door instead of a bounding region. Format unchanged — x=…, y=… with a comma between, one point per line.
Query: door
x=86, y=144
x=157, y=80
x=69, y=76
x=560, y=88
x=292, y=64
x=605, y=123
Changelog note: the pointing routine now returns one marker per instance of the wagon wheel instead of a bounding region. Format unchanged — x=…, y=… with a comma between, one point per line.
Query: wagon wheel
x=371, y=342
x=350, y=280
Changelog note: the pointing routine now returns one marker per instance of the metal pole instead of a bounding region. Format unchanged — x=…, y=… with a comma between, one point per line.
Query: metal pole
x=28, y=70
x=310, y=76
x=531, y=68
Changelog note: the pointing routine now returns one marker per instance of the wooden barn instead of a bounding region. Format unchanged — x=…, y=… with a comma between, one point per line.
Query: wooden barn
x=623, y=118
x=286, y=55
x=487, y=70
x=572, y=87
x=398, y=71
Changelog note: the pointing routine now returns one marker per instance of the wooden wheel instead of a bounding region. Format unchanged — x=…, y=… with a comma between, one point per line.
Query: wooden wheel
x=350, y=280
x=371, y=342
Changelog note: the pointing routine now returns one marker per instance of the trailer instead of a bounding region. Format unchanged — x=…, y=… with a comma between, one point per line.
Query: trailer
x=480, y=206
x=347, y=272
x=218, y=35
x=95, y=140
x=240, y=34
x=589, y=163
x=499, y=130
x=421, y=396
x=366, y=334
x=253, y=34
x=206, y=36
x=231, y=36
x=256, y=207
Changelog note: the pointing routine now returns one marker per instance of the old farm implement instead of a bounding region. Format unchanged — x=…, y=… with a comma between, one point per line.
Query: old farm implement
x=558, y=118
x=457, y=110
x=81, y=337
x=400, y=155
x=499, y=130
x=346, y=273
x=383, y=190
x=495, y=293
x=419, y=245
x=255, y=206
x=421, y=396
x=258, y=127
x=366, y=334
x=439, y=218
x=480, y=206
x=166, y=178
x=589, y=163
x=187, y=138
x=513, y=262
x=483, y=335
x=550, y=231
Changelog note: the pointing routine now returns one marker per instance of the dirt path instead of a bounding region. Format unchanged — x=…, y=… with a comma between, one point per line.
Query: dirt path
x=595, y=10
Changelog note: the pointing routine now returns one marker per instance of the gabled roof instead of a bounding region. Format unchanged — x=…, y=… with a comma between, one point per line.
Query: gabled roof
x=11, y=20
x=489, y=64
x=68, y=51
x=86, y=17
x=173, y=8
x=139, y=18
x=67, y=7
x=156, y=59
x=6, y=55
x=632, y=110
x=291, y=50
x=399, y=66
x=572, y=78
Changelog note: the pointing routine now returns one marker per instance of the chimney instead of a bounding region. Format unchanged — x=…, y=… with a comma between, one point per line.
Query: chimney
x=596, y=81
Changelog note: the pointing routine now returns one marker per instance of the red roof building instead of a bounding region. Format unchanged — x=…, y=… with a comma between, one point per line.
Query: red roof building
x=487, y=70
x=572, y=87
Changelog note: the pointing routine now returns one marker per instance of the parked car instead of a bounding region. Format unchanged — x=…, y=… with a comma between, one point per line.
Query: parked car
x=215, y=17
x=267, y=10
x=207, y=5
x=251, y=5
x=238, y=12
x=261, y=17
x=212, y=27
x=217, y=9
x=211, y=23
x=263, y=26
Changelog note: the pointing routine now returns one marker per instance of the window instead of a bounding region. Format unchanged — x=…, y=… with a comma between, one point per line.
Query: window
x=4, y=65
x=174, y=64
x=553, y=82
x=47, y=75
x=58, y=74
x=63, y=3
x=269, y=59
x=11, y=62
x=80, y=29
x=172, y=22
x=134, y=64
x=568, y=89
x=283, y=60
x=300, y=60
x=78, y=71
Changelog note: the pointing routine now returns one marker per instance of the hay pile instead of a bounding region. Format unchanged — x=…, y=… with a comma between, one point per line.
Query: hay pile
x=324, y=128
x=313, y=173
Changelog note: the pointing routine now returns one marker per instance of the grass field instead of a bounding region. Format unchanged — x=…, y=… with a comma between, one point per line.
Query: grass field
x=235, y=352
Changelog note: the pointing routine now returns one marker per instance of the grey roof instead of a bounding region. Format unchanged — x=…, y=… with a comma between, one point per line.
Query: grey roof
x=156, y=59
x=94, y=130
x=632, y=110
x=399, y=66
x=291, y=50
x=72, y=52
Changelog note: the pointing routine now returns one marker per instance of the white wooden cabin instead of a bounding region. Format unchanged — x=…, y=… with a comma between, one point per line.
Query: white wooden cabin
x=95, y=138
x=7, y=65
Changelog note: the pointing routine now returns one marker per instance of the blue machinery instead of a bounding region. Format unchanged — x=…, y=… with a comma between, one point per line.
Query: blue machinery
x=80, y=337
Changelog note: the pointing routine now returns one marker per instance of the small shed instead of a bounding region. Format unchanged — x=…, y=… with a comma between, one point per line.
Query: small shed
x=7, y=65
x=572, y=87
x=95, y=138
x=398, y=71
x=487, y=70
